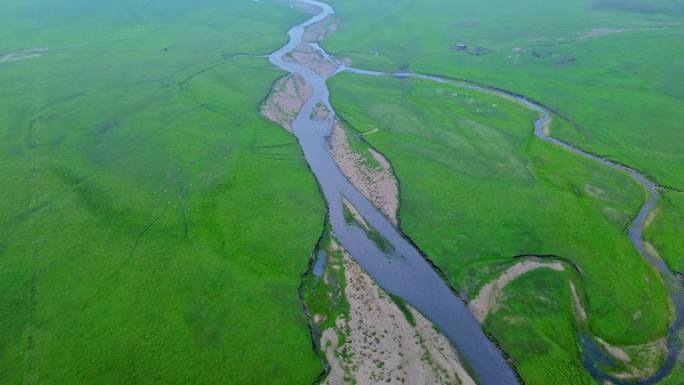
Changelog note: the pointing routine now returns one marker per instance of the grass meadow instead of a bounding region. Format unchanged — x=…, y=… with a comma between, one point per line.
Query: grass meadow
x=666, y=229
x=612, y=66
x=144, y=198
x=477, y=189
x=612, y=69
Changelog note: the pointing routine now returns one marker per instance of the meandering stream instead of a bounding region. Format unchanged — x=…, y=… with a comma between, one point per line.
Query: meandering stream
x=594, y=356
x=404, y=271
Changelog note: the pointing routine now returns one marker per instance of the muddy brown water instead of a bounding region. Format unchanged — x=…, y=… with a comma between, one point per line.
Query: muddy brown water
x=402, y=270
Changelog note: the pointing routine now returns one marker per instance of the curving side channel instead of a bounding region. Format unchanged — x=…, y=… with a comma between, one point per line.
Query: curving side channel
x=403, y=271
x=593, y=354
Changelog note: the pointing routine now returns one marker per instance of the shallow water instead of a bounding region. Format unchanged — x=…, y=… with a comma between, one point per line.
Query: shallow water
x=404, y=272
x=319, y=264
x=594, y=358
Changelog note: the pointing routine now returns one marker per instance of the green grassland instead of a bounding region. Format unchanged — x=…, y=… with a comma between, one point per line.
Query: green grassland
x=535, y=326
x=666, y=231
x=144, y=197
x=623, y=90
x=325, y=295
x=612, y=67
x=478, y=189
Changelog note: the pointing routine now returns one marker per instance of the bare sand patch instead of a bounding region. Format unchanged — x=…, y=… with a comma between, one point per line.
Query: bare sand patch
x=381, y=345
x=614, y=351
x=651, y=249
x=651, y=355
x=600, y=32
x=596, y=192
x=651, y=217
x=25, y=54
x=317, y=31
x=310, y=57
x=313, y=59
x=378, y=184
x=577, y=303
x=329, y=345
x=320, y=112
x=546, y=130
x=487, y=299
x=440, y=350
x=286, y=99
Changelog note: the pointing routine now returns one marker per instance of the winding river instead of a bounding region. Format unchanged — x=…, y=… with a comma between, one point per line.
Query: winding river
x=594, y=356
x=404, y=271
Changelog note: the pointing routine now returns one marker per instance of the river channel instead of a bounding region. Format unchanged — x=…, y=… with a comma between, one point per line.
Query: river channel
x=403, y=270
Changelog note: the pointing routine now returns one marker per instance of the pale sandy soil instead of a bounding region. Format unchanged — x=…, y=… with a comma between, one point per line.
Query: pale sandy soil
x=546, y=130
x=650, y=354
x=381, y=346
x=320, y=112
x=286, y=99
x=577, y=303
x=307, y=56
x=26, y=54
x=614, y=351
x=316, y=32
x=487, y=299
x=651, y=249
x=376, y=184
x=600, y=32
x=650, y=217
x=329, y=345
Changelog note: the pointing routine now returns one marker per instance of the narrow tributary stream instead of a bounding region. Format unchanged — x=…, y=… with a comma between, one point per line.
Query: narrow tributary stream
x=594, y=356
x=404, y=271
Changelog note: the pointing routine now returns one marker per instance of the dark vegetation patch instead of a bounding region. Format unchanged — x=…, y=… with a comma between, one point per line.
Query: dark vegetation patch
x=554, y=57
x=470, y=49
x=324, y=296
x=403, y=306
x=380, y=241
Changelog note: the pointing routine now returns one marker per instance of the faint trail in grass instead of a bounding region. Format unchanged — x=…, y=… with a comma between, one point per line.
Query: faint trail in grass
x=140, y=236
x=185, y=83
x=32, y=143
x=11, y=225
x=31, y=376
x=186, y=226
x=616, y=31
x=107, y=281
